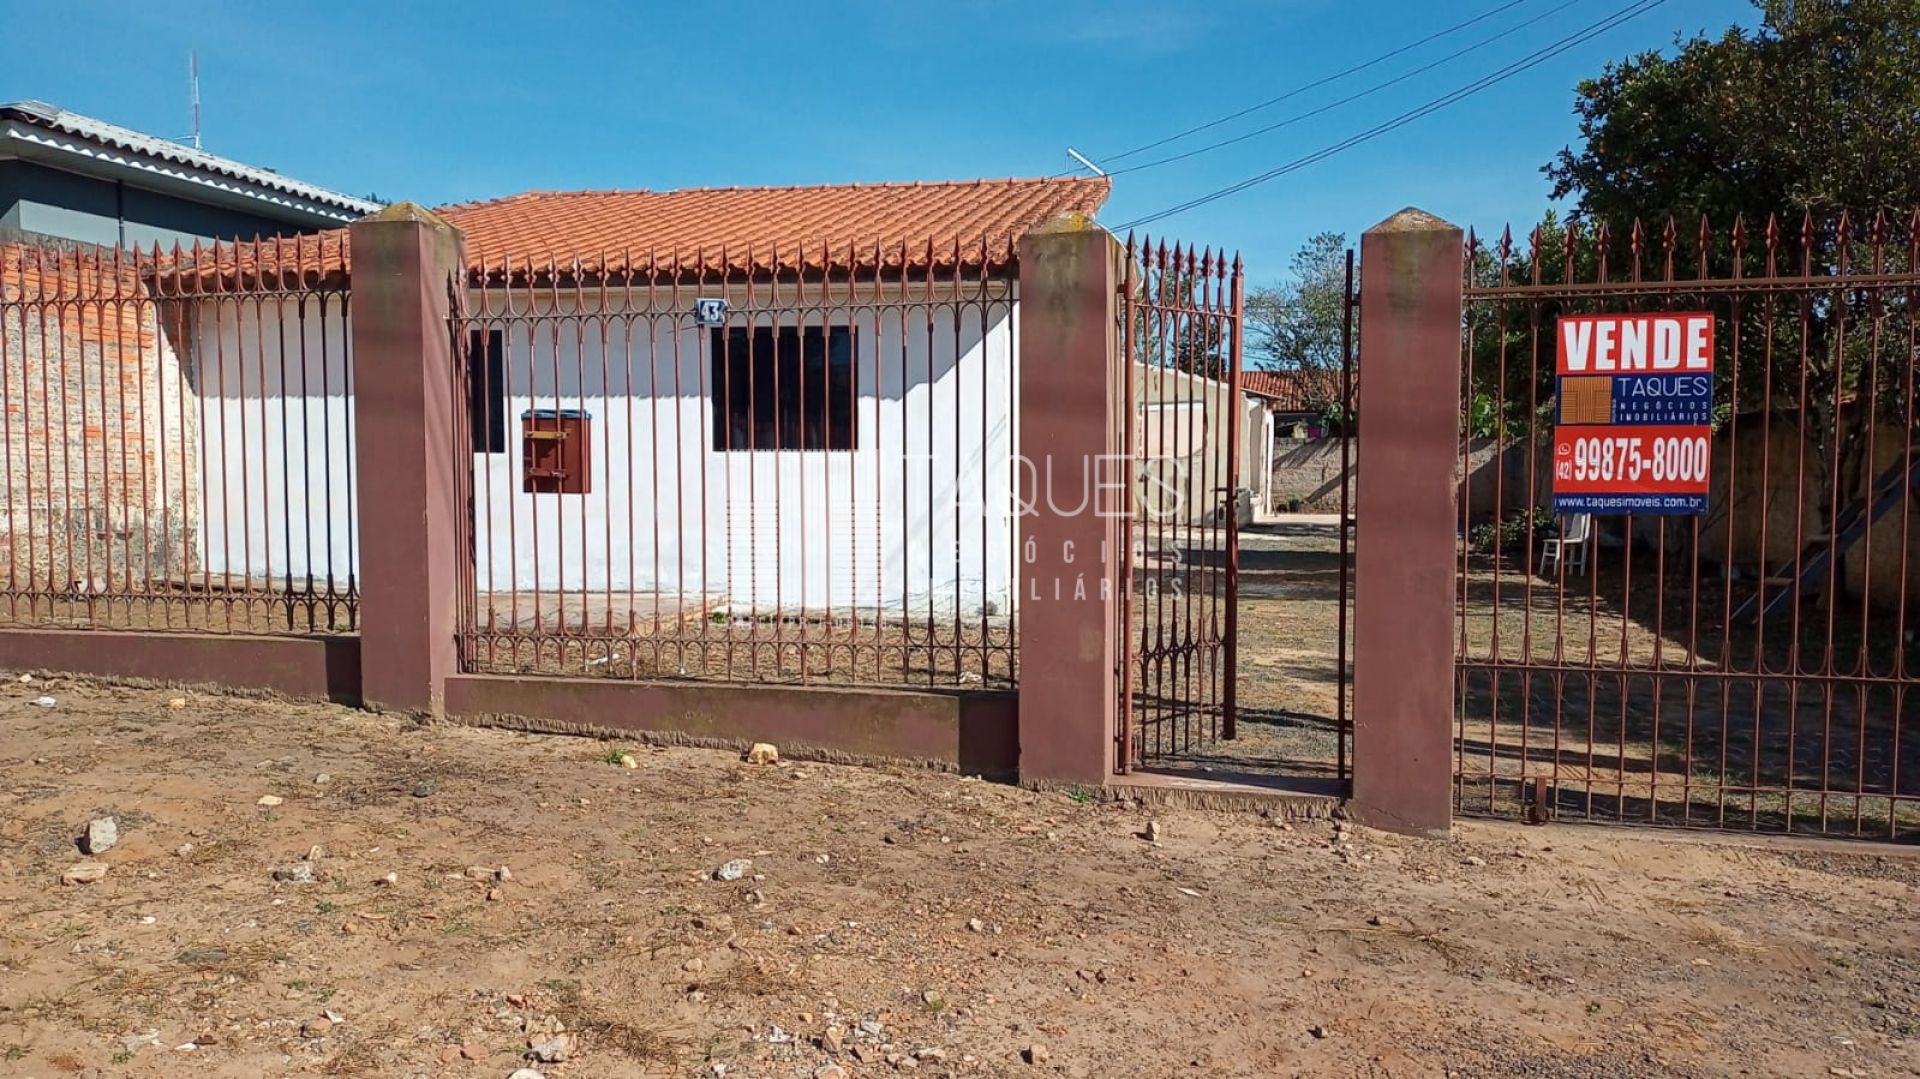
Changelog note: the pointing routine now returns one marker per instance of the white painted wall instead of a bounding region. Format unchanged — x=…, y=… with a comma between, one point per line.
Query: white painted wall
x=917, y=517
x=276, y=422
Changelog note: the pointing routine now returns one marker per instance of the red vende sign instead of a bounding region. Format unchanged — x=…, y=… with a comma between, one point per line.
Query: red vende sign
x=1634, y=413
x=1680, y=343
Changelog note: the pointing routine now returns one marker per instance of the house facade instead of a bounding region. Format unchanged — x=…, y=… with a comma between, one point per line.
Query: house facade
x=793, y=400
x=834, y=433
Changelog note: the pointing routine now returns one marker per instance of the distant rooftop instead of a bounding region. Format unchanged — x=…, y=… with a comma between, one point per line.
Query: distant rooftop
x=37, y=131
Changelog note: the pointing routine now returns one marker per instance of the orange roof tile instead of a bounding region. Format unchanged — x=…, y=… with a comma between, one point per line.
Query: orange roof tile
x=727, y=230
x=1293, y=391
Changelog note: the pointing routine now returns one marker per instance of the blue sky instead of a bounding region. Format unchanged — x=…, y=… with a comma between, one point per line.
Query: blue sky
x=465, y=101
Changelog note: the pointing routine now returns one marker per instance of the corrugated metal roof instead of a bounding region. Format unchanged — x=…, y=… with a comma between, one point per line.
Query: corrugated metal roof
x=53, y=118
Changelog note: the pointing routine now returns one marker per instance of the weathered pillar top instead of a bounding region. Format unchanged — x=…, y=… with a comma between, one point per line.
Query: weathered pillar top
x=1413, y=219
x=407, y=211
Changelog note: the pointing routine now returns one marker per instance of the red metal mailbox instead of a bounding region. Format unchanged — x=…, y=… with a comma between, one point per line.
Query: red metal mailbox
x=556, y=451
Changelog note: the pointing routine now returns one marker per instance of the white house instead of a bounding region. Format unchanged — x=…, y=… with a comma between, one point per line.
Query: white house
x=839, y=436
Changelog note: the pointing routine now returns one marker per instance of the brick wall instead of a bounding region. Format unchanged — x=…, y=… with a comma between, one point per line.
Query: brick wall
x=99, y=430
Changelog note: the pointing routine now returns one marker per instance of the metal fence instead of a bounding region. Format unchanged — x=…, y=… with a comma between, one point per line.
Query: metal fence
x=177, y=441
x=1752, y=667
x=787, y=465
x=1181, y=434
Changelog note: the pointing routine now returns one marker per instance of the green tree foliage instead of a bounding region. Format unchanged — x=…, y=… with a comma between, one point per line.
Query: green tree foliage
x=1734, y=154
x=1296, y=325
x=1816, y=109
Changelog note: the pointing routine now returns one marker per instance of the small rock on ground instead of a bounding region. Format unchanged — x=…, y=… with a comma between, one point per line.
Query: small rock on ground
x=84, y=873
x=133, y=1043
x=102, y=834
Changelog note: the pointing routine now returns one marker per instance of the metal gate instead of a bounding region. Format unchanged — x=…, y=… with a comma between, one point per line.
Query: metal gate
x=1749, y=668
x=1181, y=433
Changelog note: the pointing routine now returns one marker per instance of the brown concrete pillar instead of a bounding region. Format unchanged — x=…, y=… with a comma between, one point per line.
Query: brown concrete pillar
x=1069, y=496
x=404, y=262
x=1404, y=553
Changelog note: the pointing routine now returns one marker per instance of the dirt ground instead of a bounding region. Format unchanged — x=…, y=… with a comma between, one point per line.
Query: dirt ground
x=892, y=920
x=1289, y=623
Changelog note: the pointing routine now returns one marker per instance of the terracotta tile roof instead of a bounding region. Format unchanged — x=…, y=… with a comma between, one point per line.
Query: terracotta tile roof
x=54, y=274
x=1293, y=391
x=731, y=230
x=313, y=260
x=755, y=228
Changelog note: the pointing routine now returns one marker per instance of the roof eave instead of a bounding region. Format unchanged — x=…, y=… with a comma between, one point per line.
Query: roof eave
x=296, y=203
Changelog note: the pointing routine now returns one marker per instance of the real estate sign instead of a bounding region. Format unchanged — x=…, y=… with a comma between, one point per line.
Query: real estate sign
x=1635, y=413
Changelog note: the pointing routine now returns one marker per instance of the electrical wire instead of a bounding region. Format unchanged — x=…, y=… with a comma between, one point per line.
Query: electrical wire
x=1532, y=60
x=1315, y=84
x=1349, y=99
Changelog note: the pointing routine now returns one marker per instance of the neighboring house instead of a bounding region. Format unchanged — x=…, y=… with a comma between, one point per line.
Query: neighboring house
x=97, y=429
x=1181, y=434
x=1293, y=398
x=912, y=409
x=1292, y=407
x=70, y=178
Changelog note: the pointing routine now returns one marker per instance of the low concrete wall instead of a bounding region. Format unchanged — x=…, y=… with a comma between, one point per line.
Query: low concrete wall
x=976, y=732
x=323, y=668
x=1309, y=470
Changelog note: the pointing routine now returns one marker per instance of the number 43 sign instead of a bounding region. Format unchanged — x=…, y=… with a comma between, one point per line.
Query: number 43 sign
x=1635, y=416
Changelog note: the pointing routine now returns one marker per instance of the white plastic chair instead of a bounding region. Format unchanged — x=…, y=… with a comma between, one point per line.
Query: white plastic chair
x=1576, y=535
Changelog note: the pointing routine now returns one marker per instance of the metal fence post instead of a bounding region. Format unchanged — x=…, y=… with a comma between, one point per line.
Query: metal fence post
x=1403, y=675
x=1068, y=576
x=406, y=262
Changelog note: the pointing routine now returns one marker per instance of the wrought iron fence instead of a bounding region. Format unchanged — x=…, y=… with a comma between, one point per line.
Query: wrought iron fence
x=1181, y=432
x=177, y=441
x=794, y=464
x=1751, y=667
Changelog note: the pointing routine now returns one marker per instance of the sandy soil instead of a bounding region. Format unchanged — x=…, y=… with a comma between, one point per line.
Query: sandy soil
x=961, y=920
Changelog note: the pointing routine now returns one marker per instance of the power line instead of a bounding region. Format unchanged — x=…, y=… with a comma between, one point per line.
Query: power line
x=1350, y=98
x=1315, y=84
x=1535, y=59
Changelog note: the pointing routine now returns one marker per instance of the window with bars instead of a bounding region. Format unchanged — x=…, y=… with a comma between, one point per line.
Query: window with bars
x=783, y=388
x=487, y=390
